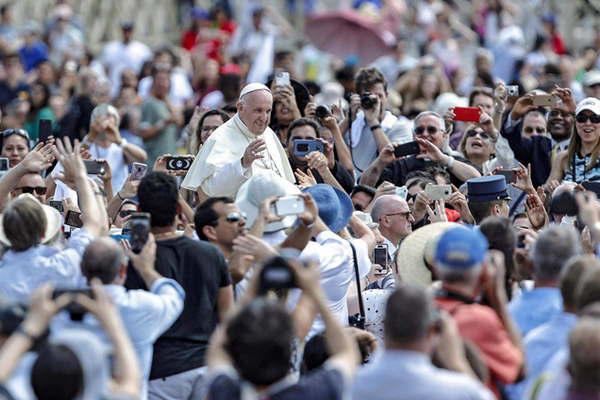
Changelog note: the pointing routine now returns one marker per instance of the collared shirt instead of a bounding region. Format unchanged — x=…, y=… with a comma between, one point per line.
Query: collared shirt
x=23, y=272
x=541, y=344
x=535, y=307
x=146, y=316
x=410, y=375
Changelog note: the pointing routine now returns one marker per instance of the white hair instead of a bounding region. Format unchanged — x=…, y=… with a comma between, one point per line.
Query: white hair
x=104, y=110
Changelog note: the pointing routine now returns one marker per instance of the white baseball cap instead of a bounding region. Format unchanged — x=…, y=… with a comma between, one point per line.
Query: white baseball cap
x=589, y=103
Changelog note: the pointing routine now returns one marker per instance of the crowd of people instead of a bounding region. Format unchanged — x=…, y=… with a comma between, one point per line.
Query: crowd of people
x=233, y=217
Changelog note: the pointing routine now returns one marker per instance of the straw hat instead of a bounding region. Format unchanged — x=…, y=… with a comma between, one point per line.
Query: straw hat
x=53, y=221
x=415, y=249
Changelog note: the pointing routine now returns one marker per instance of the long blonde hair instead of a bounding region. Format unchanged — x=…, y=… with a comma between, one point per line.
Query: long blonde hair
x=574, y=148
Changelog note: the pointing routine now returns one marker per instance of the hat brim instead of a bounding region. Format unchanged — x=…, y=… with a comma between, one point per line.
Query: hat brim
x=53, y=225
x=410, y=258
x=342, y=218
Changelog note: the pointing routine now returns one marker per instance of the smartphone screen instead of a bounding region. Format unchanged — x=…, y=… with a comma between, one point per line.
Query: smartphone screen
x=93, y=167
x=509, y=174
x=44, y=129
x=73, y=219
x=407, y=149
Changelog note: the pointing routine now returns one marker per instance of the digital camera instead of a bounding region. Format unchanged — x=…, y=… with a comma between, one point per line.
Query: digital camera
x=368, y=100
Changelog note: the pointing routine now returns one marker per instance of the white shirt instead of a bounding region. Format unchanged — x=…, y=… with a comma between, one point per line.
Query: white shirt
x=21, y=273
x=117, y=56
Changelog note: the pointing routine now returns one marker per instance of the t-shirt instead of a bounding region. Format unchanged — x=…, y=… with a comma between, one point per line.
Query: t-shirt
x=323, y=383
x=201, y=270
x=153, y=111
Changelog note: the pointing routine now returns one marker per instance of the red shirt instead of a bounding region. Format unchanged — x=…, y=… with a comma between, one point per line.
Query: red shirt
x=481, y=325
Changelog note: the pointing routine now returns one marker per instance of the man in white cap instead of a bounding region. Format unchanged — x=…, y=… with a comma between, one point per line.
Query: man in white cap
x=242, y=147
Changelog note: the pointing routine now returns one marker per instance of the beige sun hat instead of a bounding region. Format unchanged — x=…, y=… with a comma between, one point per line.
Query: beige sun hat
x=418, y=247
x=53, y=221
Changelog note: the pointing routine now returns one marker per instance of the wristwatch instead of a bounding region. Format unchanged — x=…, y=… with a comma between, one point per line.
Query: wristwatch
x=375, y=127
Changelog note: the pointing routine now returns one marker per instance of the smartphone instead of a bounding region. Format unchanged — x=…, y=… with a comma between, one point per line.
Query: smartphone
x=380, y=255
x=118, y=238
x=57, y=204
x=438, y=192
x=138, y=170
x=402, y=192
x=302, y=147
x=509, y=174
x=179, y=163
x=407, y=149
x=467, y=114
x=94, y=167
x=4, y=164
x=512, y=90
x=282, y=78
x=289, y=205
x=139, y=230
x=544, y=100
x=44, y=129
x=73, y=218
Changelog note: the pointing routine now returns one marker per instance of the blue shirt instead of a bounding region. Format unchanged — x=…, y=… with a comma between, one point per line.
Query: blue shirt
x=23, y=272
x=146, y=316
x=541, y=344
x=535, y=307
x=410, y=375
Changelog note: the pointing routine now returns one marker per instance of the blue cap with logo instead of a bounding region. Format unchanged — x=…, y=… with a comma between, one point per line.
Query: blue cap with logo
x=461, y=248
x=487, y=188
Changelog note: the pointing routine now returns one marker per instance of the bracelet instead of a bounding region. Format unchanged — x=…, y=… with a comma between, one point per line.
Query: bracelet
x=375, y=127
x=119, y=196
x=21, y=331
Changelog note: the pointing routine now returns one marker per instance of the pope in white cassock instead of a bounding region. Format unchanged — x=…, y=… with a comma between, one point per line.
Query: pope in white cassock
x=241, y=147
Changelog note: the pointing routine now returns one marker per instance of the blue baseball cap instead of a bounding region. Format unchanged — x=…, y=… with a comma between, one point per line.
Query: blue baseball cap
x=461, y=248
x=487, y=188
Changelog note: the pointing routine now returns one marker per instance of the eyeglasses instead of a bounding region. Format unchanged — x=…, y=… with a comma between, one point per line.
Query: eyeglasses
x=431, y=130
x=405, y=214
x=13, y=131
x=235, y=217
x=39, y=190
x=125, y=213
x=583, y=118
x=559, y=113
x=531, y=129
x=473, y=133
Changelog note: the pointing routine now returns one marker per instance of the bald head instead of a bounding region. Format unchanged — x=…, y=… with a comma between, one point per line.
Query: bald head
x=254, y=109
x=393, y=216
x=386, y=204
x=102, y=259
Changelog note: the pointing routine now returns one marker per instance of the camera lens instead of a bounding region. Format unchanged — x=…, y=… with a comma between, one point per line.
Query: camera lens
x=303, y=147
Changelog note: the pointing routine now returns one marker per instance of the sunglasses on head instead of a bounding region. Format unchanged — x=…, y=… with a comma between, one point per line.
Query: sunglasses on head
x=473, y=133
x=235, y=217
x=13, y=131
x=531, y=129
x=125, y=213
x=431, y=130
x=583, y=118
x=39, y=190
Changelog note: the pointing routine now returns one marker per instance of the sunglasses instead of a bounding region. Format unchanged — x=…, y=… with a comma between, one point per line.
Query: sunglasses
x=235, y=217
x=531, y=129
x=473, y=133
x=559, y=113
x=431, y=130
x=39, y=190
x=583, y=118
x=405, y=214
x=125, y=213
x=12, y=131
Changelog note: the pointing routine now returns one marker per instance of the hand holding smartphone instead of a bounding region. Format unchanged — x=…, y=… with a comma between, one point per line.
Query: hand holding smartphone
x=467, y=114
x=406, y=149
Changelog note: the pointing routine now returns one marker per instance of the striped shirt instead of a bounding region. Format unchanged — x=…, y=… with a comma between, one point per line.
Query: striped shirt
x=581, y=175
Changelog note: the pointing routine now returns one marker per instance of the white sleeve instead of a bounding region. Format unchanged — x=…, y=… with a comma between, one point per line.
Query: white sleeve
x=226, y=180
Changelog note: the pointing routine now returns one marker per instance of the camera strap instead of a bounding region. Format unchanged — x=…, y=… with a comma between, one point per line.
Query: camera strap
x=361, y=306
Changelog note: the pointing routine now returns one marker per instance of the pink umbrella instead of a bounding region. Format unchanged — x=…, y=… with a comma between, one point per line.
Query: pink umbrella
x=347, y=33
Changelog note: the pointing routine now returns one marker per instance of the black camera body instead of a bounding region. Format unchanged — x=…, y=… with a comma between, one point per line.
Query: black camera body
x=276, y=274
x=368, y=100
x=322, y=112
